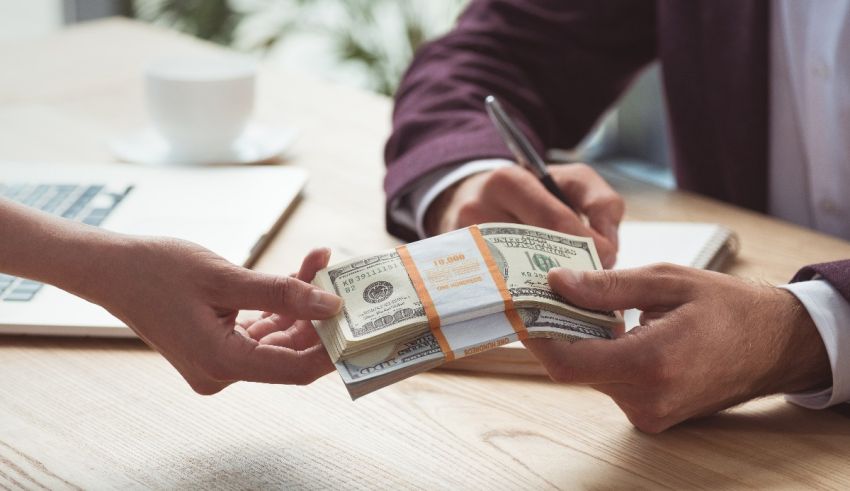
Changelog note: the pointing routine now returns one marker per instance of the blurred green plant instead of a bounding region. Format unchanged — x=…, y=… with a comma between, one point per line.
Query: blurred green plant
x=213, y=20
x=373, y=38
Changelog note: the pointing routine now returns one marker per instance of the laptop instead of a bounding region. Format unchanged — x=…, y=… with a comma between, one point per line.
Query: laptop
x=232, y=211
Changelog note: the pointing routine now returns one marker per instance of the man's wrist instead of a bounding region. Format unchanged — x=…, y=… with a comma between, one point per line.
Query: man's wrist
x=436, y=211
x=436, y=187
x=830, y=312
x=801, y=362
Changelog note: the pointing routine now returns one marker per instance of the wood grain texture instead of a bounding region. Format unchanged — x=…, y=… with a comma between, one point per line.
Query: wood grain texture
x=94, y=414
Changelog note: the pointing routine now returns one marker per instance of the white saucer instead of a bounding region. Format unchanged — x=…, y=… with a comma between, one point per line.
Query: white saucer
x=256, y=144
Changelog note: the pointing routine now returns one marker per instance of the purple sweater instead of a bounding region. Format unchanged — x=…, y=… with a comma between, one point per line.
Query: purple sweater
x=561, y=63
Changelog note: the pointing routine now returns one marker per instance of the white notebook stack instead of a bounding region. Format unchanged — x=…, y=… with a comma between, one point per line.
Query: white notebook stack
x=698, y=245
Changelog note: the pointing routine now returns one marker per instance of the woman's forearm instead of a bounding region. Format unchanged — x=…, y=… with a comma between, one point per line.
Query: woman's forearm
x=72, y=256
x=180, y=298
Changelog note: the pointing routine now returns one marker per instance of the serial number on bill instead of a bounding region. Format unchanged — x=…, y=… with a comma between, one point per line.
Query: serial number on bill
x=350, y=281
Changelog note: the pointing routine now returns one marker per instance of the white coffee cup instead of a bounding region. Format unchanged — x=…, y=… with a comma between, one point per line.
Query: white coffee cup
x=200, y=106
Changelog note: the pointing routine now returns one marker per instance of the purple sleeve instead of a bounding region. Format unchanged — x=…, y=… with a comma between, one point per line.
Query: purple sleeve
x=555, y=64
x=837, y=273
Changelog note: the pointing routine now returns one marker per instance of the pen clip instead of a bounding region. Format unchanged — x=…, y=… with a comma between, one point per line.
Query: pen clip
x=514, y=138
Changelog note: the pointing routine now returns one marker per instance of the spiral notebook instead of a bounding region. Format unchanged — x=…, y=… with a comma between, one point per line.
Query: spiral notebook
x=699, y=245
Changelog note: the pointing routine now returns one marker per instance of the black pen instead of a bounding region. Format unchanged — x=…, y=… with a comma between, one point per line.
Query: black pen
x=521, y=147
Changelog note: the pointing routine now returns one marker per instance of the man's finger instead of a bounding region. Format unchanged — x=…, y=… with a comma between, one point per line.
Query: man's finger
x=283, y=295
x=648, y=288
x=608, y=227
x=591, y=361
x=518, y=191
x=593, y=197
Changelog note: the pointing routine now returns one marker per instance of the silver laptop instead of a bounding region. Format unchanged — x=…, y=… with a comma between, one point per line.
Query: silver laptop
x=231, y=211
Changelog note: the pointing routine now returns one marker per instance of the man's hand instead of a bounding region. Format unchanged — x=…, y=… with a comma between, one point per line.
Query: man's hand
x=182, y=300
x=514, y=195
x=706, y=341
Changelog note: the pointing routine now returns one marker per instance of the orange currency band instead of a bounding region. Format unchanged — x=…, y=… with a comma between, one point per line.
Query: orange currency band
x=427, y=301
x=510, y=311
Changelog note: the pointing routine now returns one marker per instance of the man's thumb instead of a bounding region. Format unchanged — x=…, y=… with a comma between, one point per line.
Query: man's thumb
x=613, y=290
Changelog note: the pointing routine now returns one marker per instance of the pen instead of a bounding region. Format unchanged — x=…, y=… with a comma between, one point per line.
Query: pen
x=521, y=148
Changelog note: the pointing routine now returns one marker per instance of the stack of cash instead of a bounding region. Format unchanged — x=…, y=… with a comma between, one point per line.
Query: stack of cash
x=383, y=334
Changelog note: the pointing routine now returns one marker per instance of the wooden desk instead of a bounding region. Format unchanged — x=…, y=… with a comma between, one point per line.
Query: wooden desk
x=82, y=413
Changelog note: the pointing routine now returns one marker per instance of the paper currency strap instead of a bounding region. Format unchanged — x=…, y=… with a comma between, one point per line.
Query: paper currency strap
x=457, y=279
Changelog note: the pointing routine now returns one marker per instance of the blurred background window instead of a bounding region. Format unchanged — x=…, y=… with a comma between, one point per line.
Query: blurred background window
x=362, y=43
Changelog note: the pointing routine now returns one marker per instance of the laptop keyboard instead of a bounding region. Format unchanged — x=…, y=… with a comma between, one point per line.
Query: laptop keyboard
x=89, y=204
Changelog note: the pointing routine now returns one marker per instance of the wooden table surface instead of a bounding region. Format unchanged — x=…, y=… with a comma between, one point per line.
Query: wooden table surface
x=86, y=413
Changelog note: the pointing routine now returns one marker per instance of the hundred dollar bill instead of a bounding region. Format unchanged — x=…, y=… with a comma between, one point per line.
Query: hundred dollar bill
x=382, y=305
x=385, y=365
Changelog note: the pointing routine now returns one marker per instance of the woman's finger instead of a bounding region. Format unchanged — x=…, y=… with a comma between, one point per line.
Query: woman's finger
x=301, y=336
x=273, y=323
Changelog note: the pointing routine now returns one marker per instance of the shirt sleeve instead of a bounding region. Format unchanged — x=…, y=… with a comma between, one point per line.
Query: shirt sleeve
x=410, y=208
x=831, y=315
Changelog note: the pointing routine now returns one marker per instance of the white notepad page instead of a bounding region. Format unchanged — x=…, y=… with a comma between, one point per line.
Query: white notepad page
x=683, y=243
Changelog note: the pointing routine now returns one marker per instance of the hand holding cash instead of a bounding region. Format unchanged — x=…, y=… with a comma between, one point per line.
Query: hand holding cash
x=412, y=308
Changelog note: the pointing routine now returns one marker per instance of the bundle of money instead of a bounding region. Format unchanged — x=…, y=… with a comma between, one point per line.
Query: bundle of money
x=410, y=309
x=386, y=365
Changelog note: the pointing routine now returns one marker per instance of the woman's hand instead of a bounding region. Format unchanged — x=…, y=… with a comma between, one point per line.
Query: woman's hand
x=182, y=300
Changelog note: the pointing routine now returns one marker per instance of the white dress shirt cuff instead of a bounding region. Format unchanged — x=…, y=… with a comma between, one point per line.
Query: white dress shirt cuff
x=831, y=315
x=410, y=208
